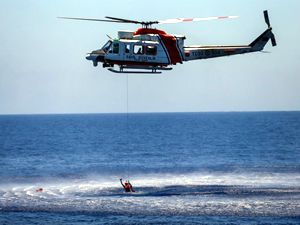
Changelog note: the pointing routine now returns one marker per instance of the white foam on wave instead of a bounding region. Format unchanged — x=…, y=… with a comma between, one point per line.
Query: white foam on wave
x=93, y=186
x=89, y=195
x=250, y=179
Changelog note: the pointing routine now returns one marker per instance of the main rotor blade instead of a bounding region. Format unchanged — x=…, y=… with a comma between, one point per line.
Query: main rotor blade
x=167, y=21
x=181, y=20
x=123, y=20
x=89, y=19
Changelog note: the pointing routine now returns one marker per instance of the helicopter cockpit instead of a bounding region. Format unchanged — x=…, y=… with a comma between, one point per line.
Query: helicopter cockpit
x=111, y=47
x=107, y=46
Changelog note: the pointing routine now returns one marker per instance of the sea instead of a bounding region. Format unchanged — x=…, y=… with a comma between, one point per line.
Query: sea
x=185, y=168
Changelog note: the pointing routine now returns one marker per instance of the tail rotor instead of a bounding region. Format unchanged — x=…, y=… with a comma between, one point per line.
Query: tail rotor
x=266, y=15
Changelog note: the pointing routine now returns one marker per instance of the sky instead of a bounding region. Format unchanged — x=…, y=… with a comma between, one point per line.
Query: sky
x=43, y=67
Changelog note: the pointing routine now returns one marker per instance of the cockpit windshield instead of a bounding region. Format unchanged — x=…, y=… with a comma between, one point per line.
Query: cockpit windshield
x=106, y=47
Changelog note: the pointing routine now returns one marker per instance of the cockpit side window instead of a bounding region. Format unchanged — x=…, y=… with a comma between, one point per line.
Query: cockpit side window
x=106, y=47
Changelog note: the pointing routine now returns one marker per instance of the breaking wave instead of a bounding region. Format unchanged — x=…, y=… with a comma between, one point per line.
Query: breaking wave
x=163, y=194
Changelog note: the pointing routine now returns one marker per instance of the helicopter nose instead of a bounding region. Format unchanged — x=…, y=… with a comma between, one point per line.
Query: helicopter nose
x=90, y=57
x=95, y=56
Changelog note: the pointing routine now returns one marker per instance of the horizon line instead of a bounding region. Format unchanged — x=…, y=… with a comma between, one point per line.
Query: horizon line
x=163, y=112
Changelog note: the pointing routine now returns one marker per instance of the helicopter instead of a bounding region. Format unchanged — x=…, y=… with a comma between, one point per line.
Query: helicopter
x=150, y=50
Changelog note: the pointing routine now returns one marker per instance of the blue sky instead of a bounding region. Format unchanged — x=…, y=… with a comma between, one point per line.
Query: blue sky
x=43, y=67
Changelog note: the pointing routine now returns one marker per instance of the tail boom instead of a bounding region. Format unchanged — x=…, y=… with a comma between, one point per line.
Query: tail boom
x=205, y=52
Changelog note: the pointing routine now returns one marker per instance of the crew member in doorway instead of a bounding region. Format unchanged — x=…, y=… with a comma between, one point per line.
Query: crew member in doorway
x=127, y=186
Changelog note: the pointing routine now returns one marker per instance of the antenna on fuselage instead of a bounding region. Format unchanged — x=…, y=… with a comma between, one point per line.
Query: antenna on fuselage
x=109, y=37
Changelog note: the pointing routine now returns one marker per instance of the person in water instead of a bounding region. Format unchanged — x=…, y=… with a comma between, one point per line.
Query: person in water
x=127, y=186
x=39, y=190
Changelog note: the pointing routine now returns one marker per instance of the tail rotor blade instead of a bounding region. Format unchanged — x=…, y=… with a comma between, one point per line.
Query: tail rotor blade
x=267, y=18
x=273, y=40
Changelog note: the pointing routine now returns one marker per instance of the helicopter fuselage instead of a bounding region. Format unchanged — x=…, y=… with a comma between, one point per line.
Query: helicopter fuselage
x=145, y=47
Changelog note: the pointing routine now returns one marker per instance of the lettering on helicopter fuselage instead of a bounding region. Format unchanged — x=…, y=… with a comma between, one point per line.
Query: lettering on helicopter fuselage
x=198, y=54
x=141, y=58
x=207, y=53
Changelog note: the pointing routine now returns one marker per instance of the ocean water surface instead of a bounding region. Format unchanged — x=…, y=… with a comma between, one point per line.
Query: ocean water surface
x=186, y=168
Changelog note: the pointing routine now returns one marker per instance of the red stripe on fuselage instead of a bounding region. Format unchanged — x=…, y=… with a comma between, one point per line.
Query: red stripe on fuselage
x=142, y=31
x=170, y=43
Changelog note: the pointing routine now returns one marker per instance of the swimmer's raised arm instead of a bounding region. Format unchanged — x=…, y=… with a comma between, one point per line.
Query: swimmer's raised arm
x=122, y=182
